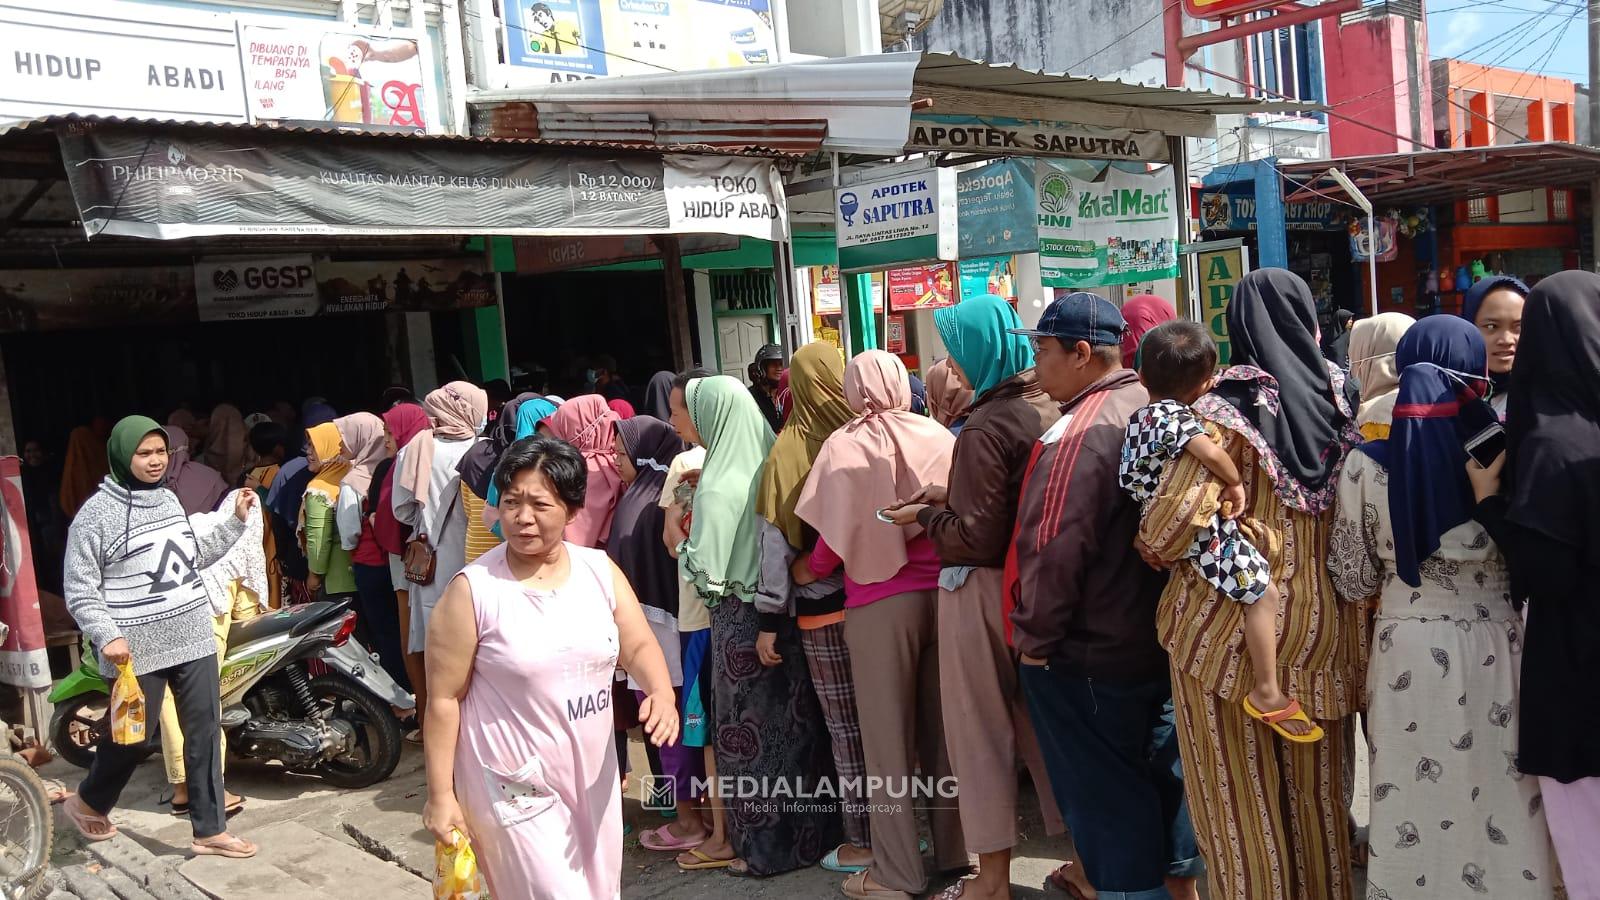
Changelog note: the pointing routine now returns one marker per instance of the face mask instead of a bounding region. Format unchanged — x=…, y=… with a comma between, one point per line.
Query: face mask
x=590, y=376
x=483, y=424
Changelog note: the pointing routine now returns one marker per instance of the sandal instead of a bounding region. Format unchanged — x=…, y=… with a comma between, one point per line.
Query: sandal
x=231, y=846
x=832, y=864
x=182, y=809
x=1290, y=713
x=82, y=817
x=1060, y=879
x=705, y=862
x=855, y=887
x=662, y=841
x=955, y=891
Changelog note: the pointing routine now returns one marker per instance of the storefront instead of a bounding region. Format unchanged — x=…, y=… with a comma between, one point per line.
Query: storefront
x=253, y=264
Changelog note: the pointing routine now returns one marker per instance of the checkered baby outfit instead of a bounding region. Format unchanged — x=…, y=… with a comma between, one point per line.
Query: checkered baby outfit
x=1157, y=434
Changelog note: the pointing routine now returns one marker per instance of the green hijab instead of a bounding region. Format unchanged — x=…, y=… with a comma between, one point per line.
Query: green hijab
x=818, y=409
x=723, y=556
x=125, y=439
x=975, y=332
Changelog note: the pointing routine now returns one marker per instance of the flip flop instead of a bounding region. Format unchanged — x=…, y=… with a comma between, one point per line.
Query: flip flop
x=661, y=840
x=1290, y=713
x=234, y=847
x=855, y=887
x=1058, y=878
x=705, y=862
x=79, y=814
x=832, y=864
x=182, y=809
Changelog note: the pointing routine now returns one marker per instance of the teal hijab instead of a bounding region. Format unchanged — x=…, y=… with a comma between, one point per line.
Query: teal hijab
x=531, y=413
x=125, y=439
x=723, y=554
x=975, y=332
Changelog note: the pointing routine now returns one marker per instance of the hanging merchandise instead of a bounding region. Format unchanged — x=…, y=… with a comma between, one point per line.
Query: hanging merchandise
x=1102, y=226
x=1362, y=243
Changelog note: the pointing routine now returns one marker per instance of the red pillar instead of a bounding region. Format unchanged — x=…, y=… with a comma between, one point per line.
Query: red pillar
x=1480, y=124
x=1562, y=127
x=1538, y=124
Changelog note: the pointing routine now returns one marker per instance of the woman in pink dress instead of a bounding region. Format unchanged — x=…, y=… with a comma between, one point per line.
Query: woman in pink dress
x=520, y=655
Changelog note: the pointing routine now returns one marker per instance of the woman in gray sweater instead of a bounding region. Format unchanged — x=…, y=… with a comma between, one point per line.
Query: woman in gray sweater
x=133, y=584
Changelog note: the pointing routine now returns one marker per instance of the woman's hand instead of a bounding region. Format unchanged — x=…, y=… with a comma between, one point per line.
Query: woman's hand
x=1485, y=481
x=767, y=649
x=800, y=570
x=314, y=582
x=1149, y=556
x=116, y=652
x=243, y=505
x=442, y=817
x=930, y=495
x=659, y=716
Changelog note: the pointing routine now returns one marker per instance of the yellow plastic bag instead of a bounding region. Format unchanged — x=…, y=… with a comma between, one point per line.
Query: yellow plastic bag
x=127, y=707
x=455, y=871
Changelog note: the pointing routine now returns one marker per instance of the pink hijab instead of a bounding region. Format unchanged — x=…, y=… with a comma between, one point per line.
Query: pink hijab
x=364, y=445
x=885, y=453
x=457, y=411
x=1142, y=313
x=198, y=486
x=622, y=408
x=590, y=425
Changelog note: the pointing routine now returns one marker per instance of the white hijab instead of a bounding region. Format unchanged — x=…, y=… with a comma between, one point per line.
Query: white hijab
x=1372, y=344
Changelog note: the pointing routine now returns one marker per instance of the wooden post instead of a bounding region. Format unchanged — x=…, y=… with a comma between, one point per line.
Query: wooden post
x=677, y=301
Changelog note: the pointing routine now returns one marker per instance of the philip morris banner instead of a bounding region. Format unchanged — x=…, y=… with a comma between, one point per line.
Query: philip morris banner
x=171, y=183
x=1110, y=227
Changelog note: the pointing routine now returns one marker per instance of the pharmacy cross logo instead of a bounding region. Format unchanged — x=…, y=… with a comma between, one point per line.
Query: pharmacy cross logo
x=848, y=204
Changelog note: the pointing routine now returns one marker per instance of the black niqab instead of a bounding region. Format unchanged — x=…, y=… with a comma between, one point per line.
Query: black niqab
x=1553, y=415
x=1272, y=325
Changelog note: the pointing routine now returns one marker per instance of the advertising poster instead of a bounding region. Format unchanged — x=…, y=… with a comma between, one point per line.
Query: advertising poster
x=50, y=299
x=232, y=290
x=995, y=275
x=312, y=74
x=1219, y=271
x=995, y=209
x=412, y=285
x=827, y=292
x=139, y=181
x=23, y=661
x=896, y=342
x=922, y=287
x=568, y=40
x=1361, y=243
x=1110, y=227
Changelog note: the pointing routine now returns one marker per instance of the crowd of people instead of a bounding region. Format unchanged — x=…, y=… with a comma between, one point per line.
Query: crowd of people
x=1081, y=549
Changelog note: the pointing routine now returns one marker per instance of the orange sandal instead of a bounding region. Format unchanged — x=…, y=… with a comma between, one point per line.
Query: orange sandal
x=81, y=817
x=1290, y=713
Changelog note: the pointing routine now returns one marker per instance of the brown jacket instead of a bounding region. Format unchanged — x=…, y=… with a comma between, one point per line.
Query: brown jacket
x=986, y=470
x=1084, y=598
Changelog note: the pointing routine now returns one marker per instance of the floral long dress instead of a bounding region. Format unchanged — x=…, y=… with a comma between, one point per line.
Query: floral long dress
x=1451, y=814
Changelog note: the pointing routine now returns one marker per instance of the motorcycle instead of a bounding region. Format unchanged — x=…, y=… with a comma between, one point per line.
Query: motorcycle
x=337, y=725
x=27, y=827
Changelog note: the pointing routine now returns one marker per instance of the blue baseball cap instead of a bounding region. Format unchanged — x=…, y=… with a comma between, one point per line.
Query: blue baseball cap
x=1080, y=316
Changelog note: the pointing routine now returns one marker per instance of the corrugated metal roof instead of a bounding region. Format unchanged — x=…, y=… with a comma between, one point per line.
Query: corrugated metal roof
x=865, y=101
x=1446, y=176
x=46, y=124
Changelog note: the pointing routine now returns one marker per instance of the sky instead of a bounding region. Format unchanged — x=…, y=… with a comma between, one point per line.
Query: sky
x=1546, y=36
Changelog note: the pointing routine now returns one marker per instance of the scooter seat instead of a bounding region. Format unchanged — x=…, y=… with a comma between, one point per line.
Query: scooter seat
x=295, y=620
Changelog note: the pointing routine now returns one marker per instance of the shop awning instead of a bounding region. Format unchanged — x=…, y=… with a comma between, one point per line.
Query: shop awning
x=169, y=180
x=859, y=104
x=1447, y=176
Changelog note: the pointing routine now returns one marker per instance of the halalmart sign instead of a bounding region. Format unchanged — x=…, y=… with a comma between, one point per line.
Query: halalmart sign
x=1103, y=228
x=894, y=221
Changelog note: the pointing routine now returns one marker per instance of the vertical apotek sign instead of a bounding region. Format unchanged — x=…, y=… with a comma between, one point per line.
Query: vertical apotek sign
x=1218, y=272
x=898, y=221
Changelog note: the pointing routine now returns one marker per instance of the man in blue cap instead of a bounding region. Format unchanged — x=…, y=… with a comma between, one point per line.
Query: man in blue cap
x=1084, y=618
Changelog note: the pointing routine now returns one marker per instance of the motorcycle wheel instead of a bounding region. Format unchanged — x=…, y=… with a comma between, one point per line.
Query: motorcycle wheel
x=76, y=728
x=378, y=738
x=27, y=831
x=77, y=725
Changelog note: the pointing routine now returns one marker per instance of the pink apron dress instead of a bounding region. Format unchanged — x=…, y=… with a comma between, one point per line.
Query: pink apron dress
x=536, y=771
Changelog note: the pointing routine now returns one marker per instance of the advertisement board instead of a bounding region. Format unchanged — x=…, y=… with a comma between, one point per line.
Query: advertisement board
x=1236, y=211
x=568, y=40
x=23, y=660
x=995, y=275
x=405, y=285
x=1110, y=227
x=1219, y=270
x=118, y=60
x=827, y=293
x=995, y=209
x=49, y=299
x=152, y=182
x=897, y=220
x=310, y=73
x=943, y=132
x=279, y=287
x=922, y=287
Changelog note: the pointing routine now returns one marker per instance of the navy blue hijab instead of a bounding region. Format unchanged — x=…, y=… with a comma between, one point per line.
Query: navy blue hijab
x=1442, y=363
